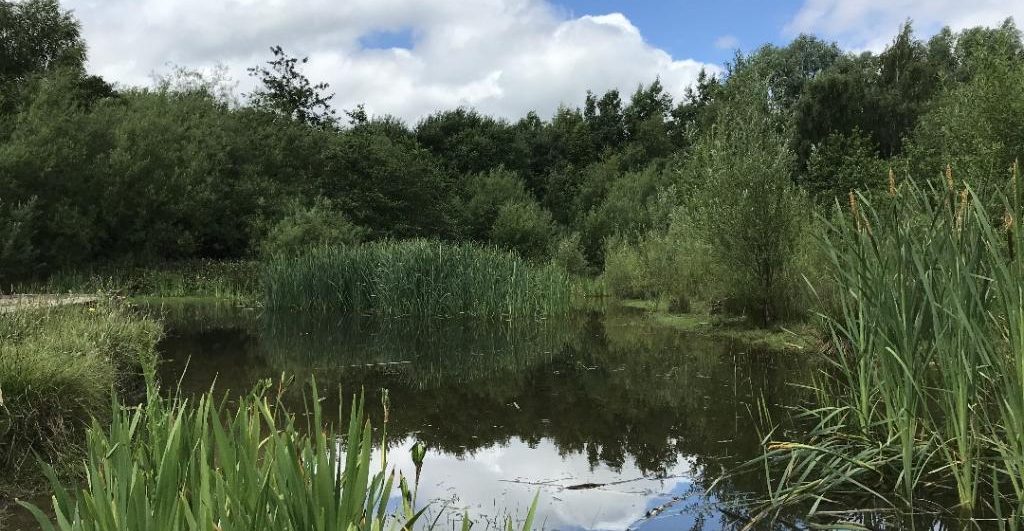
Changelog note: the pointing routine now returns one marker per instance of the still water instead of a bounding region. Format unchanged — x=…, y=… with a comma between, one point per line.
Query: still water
x=617, y=422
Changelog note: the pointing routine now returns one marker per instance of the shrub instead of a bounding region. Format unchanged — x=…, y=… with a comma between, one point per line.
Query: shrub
x=568, y=253
x=748, y=212
x=623, y=271
x=484, y=196
x=316, y=226
x=670, y=265
x=525, y=228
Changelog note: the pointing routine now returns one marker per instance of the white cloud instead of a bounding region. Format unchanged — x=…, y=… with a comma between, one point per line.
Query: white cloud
x=871, y=24
x=727, y=42
x=504, y=57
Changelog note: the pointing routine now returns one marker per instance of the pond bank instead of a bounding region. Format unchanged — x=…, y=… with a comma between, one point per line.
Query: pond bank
x=797, y=337
x=13, y=303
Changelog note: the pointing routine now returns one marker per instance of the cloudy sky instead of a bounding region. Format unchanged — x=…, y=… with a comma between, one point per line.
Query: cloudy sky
x=504, y=57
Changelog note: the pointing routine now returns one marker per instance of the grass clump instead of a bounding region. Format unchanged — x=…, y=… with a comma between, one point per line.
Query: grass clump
x=417, y=278
x=923, y=408
x=57, y=369
x=198, y=464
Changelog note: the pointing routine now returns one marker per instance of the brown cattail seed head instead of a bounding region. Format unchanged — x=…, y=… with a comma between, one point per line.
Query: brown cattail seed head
x=892, y=182
x=949, y=178
x=961, y=210
x=854, y=211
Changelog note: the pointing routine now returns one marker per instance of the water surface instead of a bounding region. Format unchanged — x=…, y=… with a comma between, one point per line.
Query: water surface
x=608, y=416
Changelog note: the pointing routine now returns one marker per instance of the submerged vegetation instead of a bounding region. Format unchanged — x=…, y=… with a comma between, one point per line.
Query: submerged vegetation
x=417, y=278
x=57, y=369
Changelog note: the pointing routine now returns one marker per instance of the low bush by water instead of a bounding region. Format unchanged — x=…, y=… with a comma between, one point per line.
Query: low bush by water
x=417, y=278
x=57, y=369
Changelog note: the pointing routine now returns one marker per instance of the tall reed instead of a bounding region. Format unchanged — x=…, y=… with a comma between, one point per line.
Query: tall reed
x=417, y=278
x=923, y=408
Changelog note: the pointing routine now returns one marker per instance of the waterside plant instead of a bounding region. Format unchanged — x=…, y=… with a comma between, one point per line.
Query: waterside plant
x=922, y=408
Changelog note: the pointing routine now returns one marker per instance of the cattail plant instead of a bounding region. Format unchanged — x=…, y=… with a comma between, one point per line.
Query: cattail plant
x=923, y=402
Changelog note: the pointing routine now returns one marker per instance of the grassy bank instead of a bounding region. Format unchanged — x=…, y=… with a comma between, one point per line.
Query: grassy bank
x=211, y=279
x=796, y=336
x=57, y=369
x=417, y=278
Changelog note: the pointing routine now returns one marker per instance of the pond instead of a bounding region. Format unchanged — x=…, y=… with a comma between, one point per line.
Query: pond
x=616, y=421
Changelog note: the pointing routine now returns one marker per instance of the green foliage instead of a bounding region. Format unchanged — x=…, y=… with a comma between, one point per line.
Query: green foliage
x=485, y=195
x=162, y=466
x=668, y=265
x=568, y=254
x=57, y=369
x=417, y=278
x=35, y=36
x=525, y=228
x=289, y=93
x=237, y=280
x=620, y=204
x=747, y=211
x=844, y=163
x=17, y=253
x=385, y=182
x=967, y=126
x=319, y=225
x=924, y=401
x=623, y=270
x=467, y=142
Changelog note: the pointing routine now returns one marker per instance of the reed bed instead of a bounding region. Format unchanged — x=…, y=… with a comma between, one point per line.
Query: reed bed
x=417, y=278
x=922, y=409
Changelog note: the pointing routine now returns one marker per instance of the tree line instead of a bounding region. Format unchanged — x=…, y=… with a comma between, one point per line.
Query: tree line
x=707, y=195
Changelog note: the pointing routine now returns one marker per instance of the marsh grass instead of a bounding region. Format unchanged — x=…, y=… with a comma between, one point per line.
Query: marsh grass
x=417, y=278
x=922, y=409
x=58, y=367
x=216, y=279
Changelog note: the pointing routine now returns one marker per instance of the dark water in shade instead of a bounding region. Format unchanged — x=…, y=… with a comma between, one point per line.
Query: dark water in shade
x=607, y=416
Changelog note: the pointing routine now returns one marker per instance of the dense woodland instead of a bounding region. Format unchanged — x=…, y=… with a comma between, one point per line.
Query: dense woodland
x=707, y=195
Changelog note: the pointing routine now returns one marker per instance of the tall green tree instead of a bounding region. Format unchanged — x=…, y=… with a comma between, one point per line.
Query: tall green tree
x=285, y=90
x=36, y=36
x=748, y=211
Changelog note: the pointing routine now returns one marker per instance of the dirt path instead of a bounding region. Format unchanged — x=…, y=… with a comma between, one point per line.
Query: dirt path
x=13, y=303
